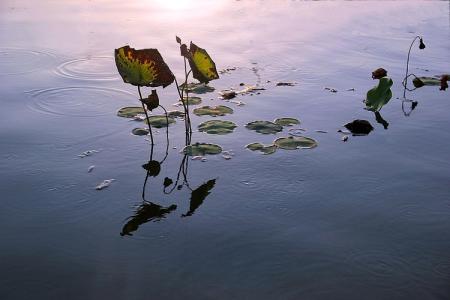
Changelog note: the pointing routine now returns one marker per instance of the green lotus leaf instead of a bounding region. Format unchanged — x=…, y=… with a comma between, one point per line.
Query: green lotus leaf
x=201, y=149
x=295, y=142
x=264, y=127
x=217, y=127
x=144, y=67
x=202, y=66
x=379, y=95
x=139, y=131
x=269, y=149
x=130, y=112
x=286, y=121
x=159, y=121
x=176, y=114
x=213, y=111
x=421, y=81
x=197, y=88
x=192, y=100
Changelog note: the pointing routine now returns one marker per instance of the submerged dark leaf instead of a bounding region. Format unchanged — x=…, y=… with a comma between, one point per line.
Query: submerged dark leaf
x=359, y=127
x=145, y=213
x=167, y=182
x=199, y=195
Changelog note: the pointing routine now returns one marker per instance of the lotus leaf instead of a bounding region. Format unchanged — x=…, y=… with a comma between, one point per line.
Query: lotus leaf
x=202, y=66
x=197, y=88
x=130, y=112
x=217, y=127
x=264, y=127
x=201, y=149
x=139, y=131
x=192, y=100
x=144, y=67
x=295, y=142
x=262, y=148
x=286, y=121
x=176, y=114
x=159, y=121
x=421, y=81
x=219, y=110
x=380, y=95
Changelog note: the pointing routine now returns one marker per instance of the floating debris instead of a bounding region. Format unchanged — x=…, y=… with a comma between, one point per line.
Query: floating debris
x=228, y=154
x=227, y=70
x=238, y=103
x=321, y=131
x=104, y=184
x=331, y=90
x=344, y=138
x=351, y=90
x=286, y=83
x=88, y=153
x=227, y=94
x=91, y=168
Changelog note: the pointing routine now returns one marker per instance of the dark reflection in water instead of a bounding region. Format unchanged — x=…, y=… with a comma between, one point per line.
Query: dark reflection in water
x=199, y=195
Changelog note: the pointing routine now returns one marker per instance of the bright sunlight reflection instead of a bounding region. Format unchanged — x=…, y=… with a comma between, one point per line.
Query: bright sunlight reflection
x=173, y=4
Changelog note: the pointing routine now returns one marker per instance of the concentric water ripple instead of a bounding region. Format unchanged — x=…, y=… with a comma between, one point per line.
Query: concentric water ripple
x=380, y=268
x=100, y=68
x=77, y=101
x=14, y=61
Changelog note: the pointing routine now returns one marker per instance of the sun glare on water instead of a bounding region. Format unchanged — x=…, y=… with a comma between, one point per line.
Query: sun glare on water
x=173, y=4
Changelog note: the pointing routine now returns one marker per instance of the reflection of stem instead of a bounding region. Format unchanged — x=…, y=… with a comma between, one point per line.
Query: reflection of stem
x=183, y=169
x=405, y=81
x=148, y=174
x=146, y=115
x=167, y=134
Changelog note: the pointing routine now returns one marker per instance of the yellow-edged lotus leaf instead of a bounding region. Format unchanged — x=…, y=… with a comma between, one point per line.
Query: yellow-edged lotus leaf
x=202, y=66
x=144, y=67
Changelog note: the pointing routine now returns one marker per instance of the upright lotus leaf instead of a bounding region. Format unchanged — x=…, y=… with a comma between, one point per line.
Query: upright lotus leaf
x=152, y=101
x=379, y=95
x=295, y=142
x=144, y=67
x=202, y=66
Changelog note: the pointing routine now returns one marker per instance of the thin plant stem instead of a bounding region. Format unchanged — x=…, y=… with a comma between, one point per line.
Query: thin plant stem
x=146, y=115
x=405, y=81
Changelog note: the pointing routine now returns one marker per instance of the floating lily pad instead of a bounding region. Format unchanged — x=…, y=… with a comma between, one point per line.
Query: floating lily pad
x=139, y=131
x=175, y=114
x=421, y=81
x=198, y=88
x=359, y=127
x=286, y=121
x=264, y=127
x=269, y=149
x=130, y=112
x=192, y=100
x=201, y=149
x=380, y=95
x=213, y=111
x=295, y=142
x=159, y=121
x=217, y=127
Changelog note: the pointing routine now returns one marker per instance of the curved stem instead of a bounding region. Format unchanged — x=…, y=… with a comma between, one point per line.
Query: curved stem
x=407, y=66
x=146, y=115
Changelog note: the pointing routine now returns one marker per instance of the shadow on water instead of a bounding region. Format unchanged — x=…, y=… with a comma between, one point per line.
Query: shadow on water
x=150, y=211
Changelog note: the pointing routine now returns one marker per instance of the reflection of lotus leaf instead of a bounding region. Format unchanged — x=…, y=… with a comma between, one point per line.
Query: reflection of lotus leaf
x=264, y=127
x=421, y=81
x=192, y=100
x=286, y=121
x=295, y=142
x=359, y=127
x=130, y=112
x=139, y=131
x=198, y=88
x=217, y=127
x=176, y=114
x=219, y=110
x=200, y=149
x=262, y=148
x=159, y=121
x=379, y=95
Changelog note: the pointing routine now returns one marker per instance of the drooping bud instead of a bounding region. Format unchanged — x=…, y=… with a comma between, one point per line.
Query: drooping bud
x=421, y=44
x=379, y=73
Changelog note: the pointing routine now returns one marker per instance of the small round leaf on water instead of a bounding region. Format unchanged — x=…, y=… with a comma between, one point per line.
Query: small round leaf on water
x=159, y=121
x=270, y=149
x=286, y=121
x=201, y=149
x=130, y=112
x=219, y=110
x=264, y=127
x=217, y=127
x=139, y=131
x=295, y=142
x=192, y=100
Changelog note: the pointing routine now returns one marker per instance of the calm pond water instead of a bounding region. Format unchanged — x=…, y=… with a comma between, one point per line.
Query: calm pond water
x=364, y=219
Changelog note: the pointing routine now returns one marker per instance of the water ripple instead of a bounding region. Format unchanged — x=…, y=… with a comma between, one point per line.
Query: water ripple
x=79, y=101
x=14, y=61
x=99, y=68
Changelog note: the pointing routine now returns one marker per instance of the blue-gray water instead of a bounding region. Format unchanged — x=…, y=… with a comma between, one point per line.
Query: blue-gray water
x=364, y=219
